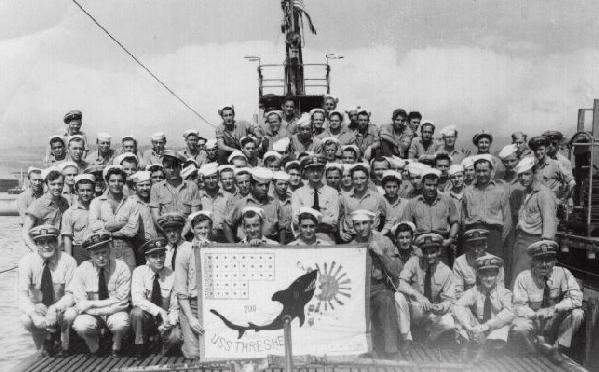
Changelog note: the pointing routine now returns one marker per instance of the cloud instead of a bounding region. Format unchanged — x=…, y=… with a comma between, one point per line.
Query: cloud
x=468, y=86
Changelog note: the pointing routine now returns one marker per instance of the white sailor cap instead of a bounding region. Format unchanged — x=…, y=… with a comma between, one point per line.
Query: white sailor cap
x=190, y=132
x=468, y=162
x=85, y=177
x=391, y=174
x=188, y=171
x=224, y=167
x=313, y=212
x=273, y=154
x=332, y=97
x=236, y=154
x=355, y=148
x=140, y=176
x=525, y=164
x=430, y=171
x=508, y=150
x=194, y=215
x=33, y=170
x=483, y=157
x=154, y=167
x=334, y=140
x=110, y=167
x=281, y=145
x=338, y=166
x=395, y=162
x=362, y=215
x=75, y=136
x=424, y=122
x=416, y=169
x=455, y=168
x=242, y=170
x=280, y=176
x=211, y=143
x=225, y=107
x=315, y=110
x=62, y=166
x=259, y=211
x=274, y=112
x=208, y=169
x=410, y=224
x=158, y=136
x=261, y=174
x=103, y=136
x=46, y=171
x=364, y=110
x=352, y=108
x=362, y=166
x=449, y=130
x=305, y=119
x=126, y=155
x=336, y=112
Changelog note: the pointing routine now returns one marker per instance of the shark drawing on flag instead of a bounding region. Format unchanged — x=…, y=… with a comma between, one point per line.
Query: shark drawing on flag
x=294, y=298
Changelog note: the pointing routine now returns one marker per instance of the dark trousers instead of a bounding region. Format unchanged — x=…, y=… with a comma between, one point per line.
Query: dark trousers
x=144, y=324
x=383, y=317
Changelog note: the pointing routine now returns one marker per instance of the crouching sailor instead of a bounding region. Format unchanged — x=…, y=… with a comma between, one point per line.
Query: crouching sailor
x=155, y=308
x=484, y=311
x=547, y=303
x=42, y=278
x=100, y=288
x=425, y=292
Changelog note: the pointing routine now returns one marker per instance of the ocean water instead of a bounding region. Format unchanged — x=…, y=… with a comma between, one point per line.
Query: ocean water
x=15, y=343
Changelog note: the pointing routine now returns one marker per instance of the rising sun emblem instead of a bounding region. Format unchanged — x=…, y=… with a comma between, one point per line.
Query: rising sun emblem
x=333, y=286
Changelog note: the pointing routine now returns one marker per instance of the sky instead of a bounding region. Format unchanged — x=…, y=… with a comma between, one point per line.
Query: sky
x=504, y=66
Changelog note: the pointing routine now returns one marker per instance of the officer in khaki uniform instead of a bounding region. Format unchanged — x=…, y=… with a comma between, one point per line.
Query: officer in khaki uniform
x=484, y=312
x=101, y=289
x=41, y=281
x=425, y=292
x=547, y=303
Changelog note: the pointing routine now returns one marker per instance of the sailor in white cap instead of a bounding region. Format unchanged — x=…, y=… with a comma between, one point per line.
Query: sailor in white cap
x=352, y=115
x=75, y=219
x=214, y=198
x=486, y=206
x=69, y=170
x=330, y=148
x=333, y=174
x=33, y=190
x=243, y=178
x=483, y=140
x=318, y=117
x=226, y=176
x=304, y=139
x=281, y=146
x=104, y=154
x=237, y=159
x=281, y=193
x=290, y=116
x=385, y=269
x=450, y=136
x=537, y=209
x=258, y=197
x=309, y=219
x=330, y=102
x=469, y=173
x=274, y=131
x=155, y=154
x=194, y=149
x=350, y=154
x=334, y=127
x=272, y=160
x=294, y=170
x=456, y=192
x=73, y=120
x=414, y=171
x=362, y=197
x=141, y=183
x=211, y=150
x=424, y=144
x=509, y=158
x=252, y=220
x=129, y=144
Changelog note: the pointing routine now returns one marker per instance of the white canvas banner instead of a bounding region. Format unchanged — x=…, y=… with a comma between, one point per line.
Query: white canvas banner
x=247, y=292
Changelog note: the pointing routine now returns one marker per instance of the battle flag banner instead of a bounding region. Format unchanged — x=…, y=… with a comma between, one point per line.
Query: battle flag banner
x=246, y=293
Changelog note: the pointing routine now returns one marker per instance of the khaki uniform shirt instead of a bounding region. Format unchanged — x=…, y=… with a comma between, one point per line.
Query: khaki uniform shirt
x=464, y=275
x=371, y=201
x=489, y=205
x=473, y=302
x=142, y=282
x=47, y=211
x=538, y=212
x=174, y=199
x=328, y=200
x=413, y=273
x=100, y=211
x=75, y=222
x=436, y=217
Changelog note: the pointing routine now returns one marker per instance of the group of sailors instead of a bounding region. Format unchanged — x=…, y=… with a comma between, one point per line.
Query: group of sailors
x=461, y=243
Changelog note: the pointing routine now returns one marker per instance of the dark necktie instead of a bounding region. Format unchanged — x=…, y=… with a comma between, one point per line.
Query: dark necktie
x=428, y=287
x=487, y=309
x=174, y=258
x=546, y=293
x=47, y=286
x=156, y=295
x=316, y=205
x=102, y=288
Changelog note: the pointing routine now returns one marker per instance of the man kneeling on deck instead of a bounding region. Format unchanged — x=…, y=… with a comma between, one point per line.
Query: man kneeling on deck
x=425, y=292
x=484, y=311
x=100, y=288
x=547, y=303
x=42, y=278
x=155, y=308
